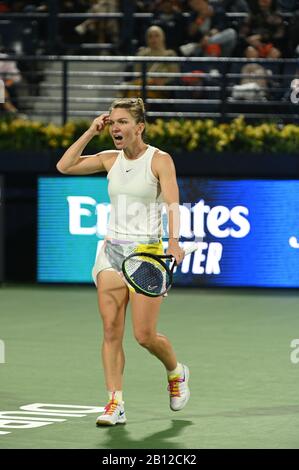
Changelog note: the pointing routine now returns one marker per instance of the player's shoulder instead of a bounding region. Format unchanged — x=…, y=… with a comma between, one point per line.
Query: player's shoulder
x=162, y=160
x=107, y=155
x=161, y=156
x=108, y=158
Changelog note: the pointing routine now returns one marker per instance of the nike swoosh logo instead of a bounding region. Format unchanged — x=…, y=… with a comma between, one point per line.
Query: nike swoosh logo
x=129, y=170
x=152, y=287
x=121, y=413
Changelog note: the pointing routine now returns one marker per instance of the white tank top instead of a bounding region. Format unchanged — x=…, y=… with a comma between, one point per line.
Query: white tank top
x=136, y=201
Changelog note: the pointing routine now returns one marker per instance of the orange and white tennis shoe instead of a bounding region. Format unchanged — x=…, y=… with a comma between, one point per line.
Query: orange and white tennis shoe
x=179, y=392
x=114, y=413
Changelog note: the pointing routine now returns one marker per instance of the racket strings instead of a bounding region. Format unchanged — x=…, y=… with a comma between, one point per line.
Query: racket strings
x=148, y=274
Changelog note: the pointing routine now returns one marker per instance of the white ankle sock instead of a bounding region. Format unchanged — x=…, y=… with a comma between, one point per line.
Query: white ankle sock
x=177, y=371
x=116, y=394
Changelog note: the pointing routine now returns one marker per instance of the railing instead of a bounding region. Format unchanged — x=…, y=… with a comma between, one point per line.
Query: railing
x=210, y=97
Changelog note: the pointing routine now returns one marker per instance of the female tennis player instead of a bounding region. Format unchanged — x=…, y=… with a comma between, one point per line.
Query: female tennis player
x=140, y=177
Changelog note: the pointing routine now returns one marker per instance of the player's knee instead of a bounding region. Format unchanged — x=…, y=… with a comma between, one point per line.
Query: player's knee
x=144, y=338
x=112, y=333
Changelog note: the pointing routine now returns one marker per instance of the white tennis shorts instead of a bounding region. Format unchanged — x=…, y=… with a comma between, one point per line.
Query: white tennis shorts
x=113, y=253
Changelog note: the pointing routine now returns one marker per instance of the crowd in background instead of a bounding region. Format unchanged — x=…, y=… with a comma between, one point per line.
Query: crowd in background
x=205, y=28
x=191, y=27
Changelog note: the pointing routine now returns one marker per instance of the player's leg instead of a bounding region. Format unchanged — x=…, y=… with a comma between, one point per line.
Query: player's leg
x=145, y=313
x=113, y=299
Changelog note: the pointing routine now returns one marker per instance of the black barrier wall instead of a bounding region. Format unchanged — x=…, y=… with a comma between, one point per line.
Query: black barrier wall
x=197, y=163
x=20, y=227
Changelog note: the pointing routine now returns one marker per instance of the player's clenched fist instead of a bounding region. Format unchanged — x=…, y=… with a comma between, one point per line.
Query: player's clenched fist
x=99, y=123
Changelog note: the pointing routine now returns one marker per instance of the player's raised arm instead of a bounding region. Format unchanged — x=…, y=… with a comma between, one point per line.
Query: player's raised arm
x=71, y=163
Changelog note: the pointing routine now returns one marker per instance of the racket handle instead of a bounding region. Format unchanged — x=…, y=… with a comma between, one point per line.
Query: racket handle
x=191, y=248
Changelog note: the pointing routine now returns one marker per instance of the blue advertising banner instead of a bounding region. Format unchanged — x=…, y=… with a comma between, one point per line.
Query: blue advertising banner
x=248, y=230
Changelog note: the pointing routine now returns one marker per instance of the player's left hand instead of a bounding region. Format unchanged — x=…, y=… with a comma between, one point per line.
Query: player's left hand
x=175, y=250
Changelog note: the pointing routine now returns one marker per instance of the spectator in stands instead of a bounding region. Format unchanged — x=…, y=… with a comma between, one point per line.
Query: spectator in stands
x=7, y=106
x=242, y=10
x=208, y=32
x=206, y=87
x=168, y=16
x=155, y=46
x=104, y=30
x=236, y=6
x=67, y=27
x=291, y=95
x=264, y=32
x=11, y=77
x=254, y=82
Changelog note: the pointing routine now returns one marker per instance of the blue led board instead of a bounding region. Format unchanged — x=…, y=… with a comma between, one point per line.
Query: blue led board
x=248, y=230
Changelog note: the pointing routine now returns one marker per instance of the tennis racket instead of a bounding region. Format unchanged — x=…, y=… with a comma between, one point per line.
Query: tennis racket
x=149, y=274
